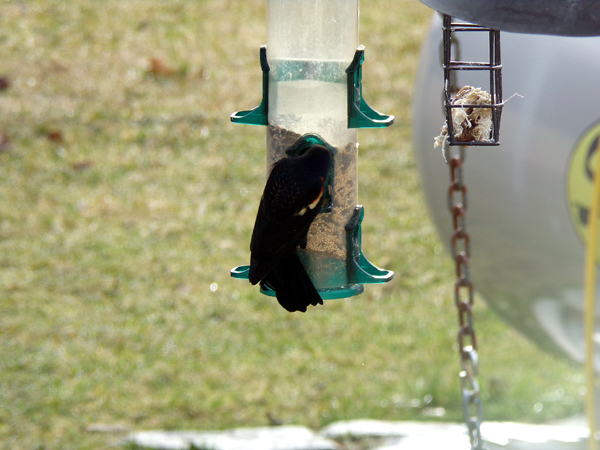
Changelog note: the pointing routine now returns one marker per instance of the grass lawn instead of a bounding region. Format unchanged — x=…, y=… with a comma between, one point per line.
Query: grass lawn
x=127, y=196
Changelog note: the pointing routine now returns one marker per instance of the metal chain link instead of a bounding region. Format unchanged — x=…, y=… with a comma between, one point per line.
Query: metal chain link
x=460, y=245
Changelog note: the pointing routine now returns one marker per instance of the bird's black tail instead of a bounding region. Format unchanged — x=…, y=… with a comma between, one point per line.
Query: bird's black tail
x=292, y=285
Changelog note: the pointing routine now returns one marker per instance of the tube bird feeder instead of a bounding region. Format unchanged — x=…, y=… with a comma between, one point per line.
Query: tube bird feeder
x=312, y=94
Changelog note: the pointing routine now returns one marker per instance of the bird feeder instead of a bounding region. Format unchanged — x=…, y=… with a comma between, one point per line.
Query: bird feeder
x=312, y=94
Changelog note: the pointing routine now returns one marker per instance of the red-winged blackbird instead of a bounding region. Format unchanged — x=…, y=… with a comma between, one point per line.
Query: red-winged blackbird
x=292, y=198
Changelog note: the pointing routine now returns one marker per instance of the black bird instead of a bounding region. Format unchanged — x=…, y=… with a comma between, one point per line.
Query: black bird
x=292, y=198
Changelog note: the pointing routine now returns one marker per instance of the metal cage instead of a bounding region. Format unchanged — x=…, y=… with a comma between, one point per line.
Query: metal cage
x=493, y=65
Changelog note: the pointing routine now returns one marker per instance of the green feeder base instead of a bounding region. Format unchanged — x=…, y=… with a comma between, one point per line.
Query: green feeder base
x=331, y=293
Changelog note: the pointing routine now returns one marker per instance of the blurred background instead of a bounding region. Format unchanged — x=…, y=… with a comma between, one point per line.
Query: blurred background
x=127, y=196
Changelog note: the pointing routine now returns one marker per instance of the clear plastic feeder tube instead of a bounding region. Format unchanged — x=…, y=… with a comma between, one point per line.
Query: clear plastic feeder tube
x=310, y=43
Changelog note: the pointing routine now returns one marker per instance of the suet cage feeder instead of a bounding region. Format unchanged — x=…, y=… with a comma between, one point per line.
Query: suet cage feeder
x=312, y=94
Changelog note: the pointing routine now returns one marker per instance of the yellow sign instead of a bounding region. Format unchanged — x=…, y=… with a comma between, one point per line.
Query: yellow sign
x=580, y=179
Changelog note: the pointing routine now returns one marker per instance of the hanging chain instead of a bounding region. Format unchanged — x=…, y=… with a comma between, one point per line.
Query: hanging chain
x=460, y=242
x=460, y=245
